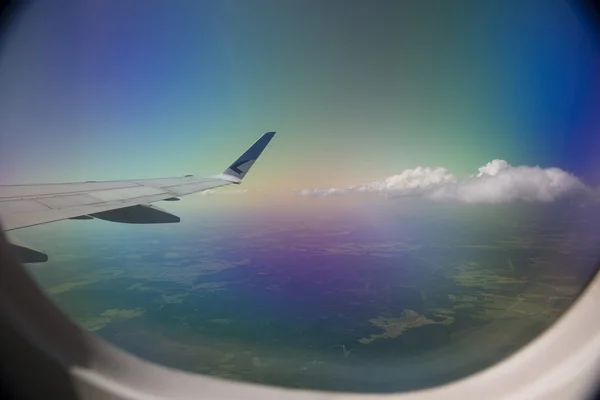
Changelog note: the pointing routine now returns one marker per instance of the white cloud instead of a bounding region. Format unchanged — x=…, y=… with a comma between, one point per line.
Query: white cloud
x=493, y=167
x=496, y=182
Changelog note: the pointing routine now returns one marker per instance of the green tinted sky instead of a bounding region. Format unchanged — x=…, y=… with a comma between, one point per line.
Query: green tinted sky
x=357, y=90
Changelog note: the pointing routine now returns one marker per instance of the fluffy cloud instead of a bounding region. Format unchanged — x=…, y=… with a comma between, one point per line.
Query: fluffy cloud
x=496, y=182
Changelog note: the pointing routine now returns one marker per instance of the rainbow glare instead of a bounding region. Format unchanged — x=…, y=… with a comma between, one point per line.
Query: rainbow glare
x=402, y=230
x=357, y=90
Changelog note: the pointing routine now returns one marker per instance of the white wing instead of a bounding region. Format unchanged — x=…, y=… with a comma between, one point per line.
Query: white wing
x=118, y=201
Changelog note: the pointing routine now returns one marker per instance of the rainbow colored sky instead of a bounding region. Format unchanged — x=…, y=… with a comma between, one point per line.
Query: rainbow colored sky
x=357, y=90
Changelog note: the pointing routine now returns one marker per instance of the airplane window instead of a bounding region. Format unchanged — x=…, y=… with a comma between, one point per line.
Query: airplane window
x=429, y=204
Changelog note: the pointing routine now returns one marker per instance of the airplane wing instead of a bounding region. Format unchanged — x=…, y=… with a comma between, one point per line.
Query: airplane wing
x=119, y=201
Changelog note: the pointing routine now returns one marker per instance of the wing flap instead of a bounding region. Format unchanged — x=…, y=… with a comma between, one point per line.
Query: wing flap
x=8, y=207
x=126, y=193
x=68, y=200
x=189, y=188
x=52, y=189
x=23, y=219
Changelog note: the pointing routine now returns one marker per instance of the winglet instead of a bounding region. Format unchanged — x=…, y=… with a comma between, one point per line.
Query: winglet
x=242, y=165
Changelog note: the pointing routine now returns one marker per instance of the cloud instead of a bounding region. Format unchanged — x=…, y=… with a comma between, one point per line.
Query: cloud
x=496, y=182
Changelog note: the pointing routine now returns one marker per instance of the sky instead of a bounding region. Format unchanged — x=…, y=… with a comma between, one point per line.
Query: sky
x=358, y=91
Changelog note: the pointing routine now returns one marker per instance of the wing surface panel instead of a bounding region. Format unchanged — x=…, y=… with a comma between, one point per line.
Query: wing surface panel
x=27, y=205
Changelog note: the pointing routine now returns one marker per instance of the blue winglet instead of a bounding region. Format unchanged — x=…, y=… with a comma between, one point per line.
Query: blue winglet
x=242, y=165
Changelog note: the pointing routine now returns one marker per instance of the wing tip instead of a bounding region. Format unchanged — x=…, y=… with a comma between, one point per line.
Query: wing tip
x=242, y=165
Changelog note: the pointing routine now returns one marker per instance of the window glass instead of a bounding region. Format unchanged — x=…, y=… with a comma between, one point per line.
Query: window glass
x=429, y=205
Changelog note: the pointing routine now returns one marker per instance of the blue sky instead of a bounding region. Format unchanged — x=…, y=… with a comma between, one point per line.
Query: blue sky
x=357, y=90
